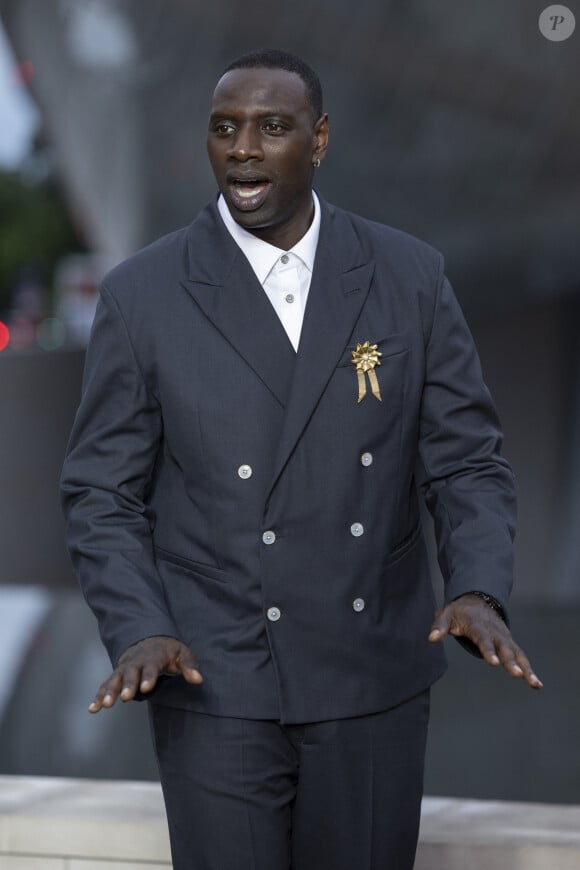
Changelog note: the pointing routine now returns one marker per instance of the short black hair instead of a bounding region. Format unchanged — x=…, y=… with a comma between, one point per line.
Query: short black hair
x=274, y=58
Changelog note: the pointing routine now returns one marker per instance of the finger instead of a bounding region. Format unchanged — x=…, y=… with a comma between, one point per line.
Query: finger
x=188, y=666
x=107, y=693
x=485, y=644
x=149, y=677
x=131, y=679
x=533, y=680
x=192, y=675
x=517, y=664
x=441, y=625
x=96, y=705
x=509, y=652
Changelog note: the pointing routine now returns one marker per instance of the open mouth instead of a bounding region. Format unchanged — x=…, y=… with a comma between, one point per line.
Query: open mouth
x=247, y=194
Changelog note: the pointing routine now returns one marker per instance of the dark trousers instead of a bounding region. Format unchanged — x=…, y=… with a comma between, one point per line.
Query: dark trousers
x=244, y=794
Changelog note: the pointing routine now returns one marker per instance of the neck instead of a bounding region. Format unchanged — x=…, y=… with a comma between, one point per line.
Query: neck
x=287, y=233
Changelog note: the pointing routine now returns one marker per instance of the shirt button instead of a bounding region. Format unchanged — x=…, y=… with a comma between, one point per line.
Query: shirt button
x=274, y=614
x=245, y=471
x=367, y=459
x=358, y=604
x=284, y=258
x=289, y=297
x=357, y=529
x=269, y=537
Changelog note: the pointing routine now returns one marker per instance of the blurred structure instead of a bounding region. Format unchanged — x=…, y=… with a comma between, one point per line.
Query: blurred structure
x=456, y=122
x=51, y=655
x=76, y=282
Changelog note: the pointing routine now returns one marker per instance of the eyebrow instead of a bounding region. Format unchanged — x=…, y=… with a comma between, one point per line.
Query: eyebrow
x=263, y=113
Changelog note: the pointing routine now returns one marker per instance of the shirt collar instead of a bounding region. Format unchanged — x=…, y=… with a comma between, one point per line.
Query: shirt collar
x=263, y=256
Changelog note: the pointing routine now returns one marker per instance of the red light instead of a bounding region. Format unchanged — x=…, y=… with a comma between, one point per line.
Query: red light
x=4, y=336
x=24, y=72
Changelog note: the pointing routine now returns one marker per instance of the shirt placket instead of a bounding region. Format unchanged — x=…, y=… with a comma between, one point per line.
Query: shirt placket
x=289, y=297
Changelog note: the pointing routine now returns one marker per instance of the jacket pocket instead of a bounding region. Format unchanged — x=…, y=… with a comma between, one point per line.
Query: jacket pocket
x=404, y=546
x=391, y=345
x=197, y=568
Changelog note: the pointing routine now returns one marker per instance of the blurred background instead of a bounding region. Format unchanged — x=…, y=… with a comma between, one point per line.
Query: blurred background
x=458, y=122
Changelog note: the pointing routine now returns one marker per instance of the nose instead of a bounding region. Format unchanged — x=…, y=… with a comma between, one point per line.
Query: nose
x=246, y=144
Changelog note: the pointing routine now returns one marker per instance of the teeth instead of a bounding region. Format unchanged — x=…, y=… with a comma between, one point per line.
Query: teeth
x=249, y=191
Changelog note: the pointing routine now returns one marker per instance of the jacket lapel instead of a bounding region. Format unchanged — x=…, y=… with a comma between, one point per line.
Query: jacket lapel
x=340, y=284
x=222, y=283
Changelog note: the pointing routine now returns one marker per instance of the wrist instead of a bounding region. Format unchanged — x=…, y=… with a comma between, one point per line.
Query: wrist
x=491, y=602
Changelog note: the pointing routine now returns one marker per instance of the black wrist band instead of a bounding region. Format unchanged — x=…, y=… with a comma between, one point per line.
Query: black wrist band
x=491, y=602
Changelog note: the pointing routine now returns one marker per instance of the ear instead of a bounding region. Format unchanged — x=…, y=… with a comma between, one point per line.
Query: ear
x=320, y=138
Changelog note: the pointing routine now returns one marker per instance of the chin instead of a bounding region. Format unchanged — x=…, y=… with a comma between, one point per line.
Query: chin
x=251, y=220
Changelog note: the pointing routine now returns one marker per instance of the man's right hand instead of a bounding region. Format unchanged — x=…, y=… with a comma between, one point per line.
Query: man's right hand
x=140, y=666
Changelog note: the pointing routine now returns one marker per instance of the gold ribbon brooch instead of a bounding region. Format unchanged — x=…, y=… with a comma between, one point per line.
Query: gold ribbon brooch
x=365, y=358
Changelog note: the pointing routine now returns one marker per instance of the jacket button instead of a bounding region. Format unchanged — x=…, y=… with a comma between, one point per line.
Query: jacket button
x=357, y=529
x=245, y=471
x=367, y=459
x=274, y=614
x=269, y=537
x=358, y=604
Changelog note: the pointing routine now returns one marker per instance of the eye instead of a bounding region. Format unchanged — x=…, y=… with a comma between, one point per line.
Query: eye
x=273, y=128
x=223, y=128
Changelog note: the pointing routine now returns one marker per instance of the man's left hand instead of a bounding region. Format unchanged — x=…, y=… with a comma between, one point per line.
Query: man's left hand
x=469, y=616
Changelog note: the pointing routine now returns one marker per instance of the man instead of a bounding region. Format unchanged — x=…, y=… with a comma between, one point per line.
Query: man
x=261, y=390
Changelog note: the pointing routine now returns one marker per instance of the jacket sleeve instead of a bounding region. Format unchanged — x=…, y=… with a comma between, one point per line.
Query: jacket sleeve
x=468, y=486
x=107, y=472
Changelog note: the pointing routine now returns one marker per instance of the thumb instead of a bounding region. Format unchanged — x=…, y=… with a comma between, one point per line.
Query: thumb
x=188, y=666
x=441, y=626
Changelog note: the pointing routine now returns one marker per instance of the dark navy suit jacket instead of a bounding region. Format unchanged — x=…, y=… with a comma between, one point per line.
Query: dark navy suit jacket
x=190, y=375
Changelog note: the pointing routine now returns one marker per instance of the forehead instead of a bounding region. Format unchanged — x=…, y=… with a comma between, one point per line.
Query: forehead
x=260, y=90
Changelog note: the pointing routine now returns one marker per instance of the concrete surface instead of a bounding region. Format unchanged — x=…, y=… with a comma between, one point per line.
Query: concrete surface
x=497, y=835
x=68, y=824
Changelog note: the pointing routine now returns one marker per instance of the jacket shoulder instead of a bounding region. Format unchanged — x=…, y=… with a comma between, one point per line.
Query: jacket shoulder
x=403, y=251
x=162, y=259
x=407, y=269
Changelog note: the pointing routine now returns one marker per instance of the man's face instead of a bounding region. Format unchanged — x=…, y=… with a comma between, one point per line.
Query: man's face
x=262, y=143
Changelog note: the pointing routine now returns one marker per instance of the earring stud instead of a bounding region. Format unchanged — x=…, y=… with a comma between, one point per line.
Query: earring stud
x=317, y=162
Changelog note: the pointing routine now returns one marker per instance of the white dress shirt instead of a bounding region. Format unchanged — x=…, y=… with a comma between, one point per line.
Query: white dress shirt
x=284, y=275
